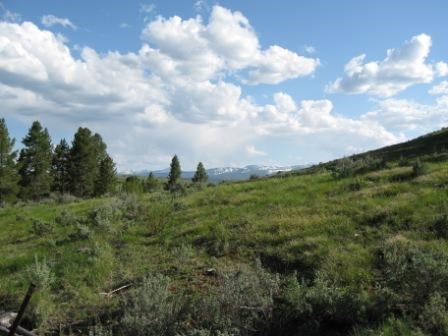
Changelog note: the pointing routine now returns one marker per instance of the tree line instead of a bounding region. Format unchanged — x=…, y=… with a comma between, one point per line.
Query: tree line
x=83, y=169
x=172, y=184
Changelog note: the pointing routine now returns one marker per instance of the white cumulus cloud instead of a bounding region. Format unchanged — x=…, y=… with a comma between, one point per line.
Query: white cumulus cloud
x=178, y=94
x=402, y=68
x=226, y=44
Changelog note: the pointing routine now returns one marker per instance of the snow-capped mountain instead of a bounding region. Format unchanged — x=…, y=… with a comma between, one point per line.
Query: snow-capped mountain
x=226, y=173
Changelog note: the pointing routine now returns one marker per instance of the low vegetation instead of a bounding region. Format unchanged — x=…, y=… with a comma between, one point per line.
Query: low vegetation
x=356, y=247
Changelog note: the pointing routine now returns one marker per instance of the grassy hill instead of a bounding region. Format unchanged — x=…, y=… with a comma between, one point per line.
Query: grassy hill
x=343, y=249
x=428, y=144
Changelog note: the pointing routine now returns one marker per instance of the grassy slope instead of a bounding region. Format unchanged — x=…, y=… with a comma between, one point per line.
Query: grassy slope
x=435, y=142
x=308, y=223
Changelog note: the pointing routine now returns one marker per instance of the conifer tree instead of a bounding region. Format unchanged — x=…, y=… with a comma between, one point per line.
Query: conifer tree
x=106, y=176
x=60, y=167
x=86, y=154
x=9, y=177
x=35, y=163
x=83, y=164
x=200, y=175
x=174, y=175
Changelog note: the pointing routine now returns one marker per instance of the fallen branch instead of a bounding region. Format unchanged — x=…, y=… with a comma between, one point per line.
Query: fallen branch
x=109, y=294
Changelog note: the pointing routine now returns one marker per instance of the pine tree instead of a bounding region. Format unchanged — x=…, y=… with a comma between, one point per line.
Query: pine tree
x=106, y=176
x=83, y=164
x=99, y=148
x=200, y=175
x=35, y=163
x=9, y=177
x=87, y=152
x=60, y=167
x=174, y=175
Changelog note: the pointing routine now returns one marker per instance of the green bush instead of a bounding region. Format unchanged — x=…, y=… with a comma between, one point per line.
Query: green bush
x=99, y=330
x=440, y=226
x=104, y=216
x=41, y=228
x=132, y=185
x=80, y=232
x=308, y=305
x=130, y=205
x=66, y=218
x=434, y=317
x=40, y=274
x=218, y=240
x=418, y=168
x=182, y=253
x=241, y=303
x=411, y=274
x=347, y=167
x=153, y=309
x=391, y=327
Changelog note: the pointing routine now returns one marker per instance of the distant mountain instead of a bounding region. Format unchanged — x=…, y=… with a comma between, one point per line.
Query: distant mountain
x=225, y=173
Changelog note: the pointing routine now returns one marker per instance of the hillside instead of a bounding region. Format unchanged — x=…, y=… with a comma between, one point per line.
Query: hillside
x=428, y=144
x=321, y=252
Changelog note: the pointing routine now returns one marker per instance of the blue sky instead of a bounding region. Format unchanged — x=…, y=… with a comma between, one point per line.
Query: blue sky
x=228, y=82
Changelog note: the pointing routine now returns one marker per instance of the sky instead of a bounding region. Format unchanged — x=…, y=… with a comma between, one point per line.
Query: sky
x=228, y=83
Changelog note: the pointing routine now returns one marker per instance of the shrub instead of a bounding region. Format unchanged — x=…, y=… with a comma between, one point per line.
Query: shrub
x=218, y=240
x=40, y=274
x=411, y=274
x=66, y=198
x=347, y=167
x=355, y=185
x=178, y=205
x=103, y=216
x=132, y=185
x=391, y=327
x=99, y=330
x=434, y=318
x=130, y=205
x=40, y=227
x=152, y=309
x=418, y=168
x=306, y=306
x=440, y=226
x=81, y=232
x=241, y=303
x=182, y=253
x=343, y=168
x=66, y=218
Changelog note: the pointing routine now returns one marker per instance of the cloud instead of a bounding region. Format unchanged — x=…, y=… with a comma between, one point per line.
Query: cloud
x=402, y=68
x=125, y=25
x=441, y=88
x=441, y=69
x=179, y=94
x=201, y=6
x=309, y=49
x=225, y=45
x=9, y=16
x=277, y=64
x=402, y=115
x=51, y=20
x=252, y=151
x=147, y=8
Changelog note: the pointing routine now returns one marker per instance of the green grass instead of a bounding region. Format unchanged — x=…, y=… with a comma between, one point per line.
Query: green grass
x=304, y=224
